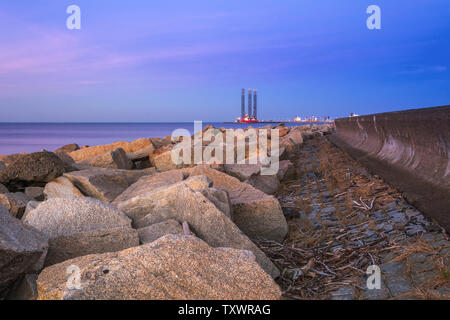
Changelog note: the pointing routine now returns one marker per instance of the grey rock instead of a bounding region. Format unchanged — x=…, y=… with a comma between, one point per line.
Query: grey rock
x=105, y=184
x=41, y=166
x=80, y=226
x=116, y=159
x=60, y=216
x=31, y=205
x=286, y=170
x=37, y=193
x=66, y=247
x=242, y=171
x=157, y=230
x=399, y=284
x=397, y=217
x=183, y=204
x=22, y=249
x=132, y=149
x=412, y=213
x=376, y=294
x=69, y=163
x=172, y=267
x=150, y=183
x=257, y=214
x=344, y=293
x=142, y=153
x=393, y=268
x=61, y=188
x=24, y=289
x=412, y=230
x=220, y=198
x=268, y=184
x=292, y=142
x=161, y=159
x=15, y=203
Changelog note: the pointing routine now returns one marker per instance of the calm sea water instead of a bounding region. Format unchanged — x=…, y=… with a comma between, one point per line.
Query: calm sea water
x=32, y=137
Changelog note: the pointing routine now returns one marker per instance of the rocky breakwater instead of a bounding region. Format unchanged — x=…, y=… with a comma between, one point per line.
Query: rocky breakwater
x=123, y=225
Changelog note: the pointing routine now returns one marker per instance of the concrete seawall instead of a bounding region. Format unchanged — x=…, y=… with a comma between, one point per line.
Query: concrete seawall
x=409, y=149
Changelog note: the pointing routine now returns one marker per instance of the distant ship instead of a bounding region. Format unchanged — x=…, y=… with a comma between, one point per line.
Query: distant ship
x=246, y=119
x=251, y=116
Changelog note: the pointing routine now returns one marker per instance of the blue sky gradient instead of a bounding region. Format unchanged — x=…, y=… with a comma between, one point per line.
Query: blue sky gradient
x=145, y=61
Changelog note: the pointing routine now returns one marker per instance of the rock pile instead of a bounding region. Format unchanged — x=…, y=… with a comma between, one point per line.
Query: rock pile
x=172, y=267
x=134, y=225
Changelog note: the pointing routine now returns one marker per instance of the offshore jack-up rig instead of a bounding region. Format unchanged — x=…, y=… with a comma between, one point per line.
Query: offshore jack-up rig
x=251, y=115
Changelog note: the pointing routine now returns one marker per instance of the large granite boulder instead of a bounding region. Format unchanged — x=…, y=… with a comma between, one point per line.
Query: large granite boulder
x=268, y=184
x=141, y=148
x=173, y=267
x=81, y=226
x=282, y=131
x=257, y=214
x=116, y=159
x=146, y=184
x=181, y=203
x=22, y=249
x=242, y=171
x=15, y=203
x=161, y=159
x=292, y=142
x=134, y=149
x=61, y=188
x=150, y=183
x=41, y=166
x=155, y=231
x=105, y=184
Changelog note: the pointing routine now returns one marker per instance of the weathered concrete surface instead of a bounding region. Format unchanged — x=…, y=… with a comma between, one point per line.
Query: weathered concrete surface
x=409, y=149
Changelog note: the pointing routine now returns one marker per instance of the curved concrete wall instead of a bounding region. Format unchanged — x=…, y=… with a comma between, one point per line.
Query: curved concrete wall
x=409, y=149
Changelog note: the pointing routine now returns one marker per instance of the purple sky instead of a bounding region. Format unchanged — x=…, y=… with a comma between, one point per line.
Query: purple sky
x=187, y=60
